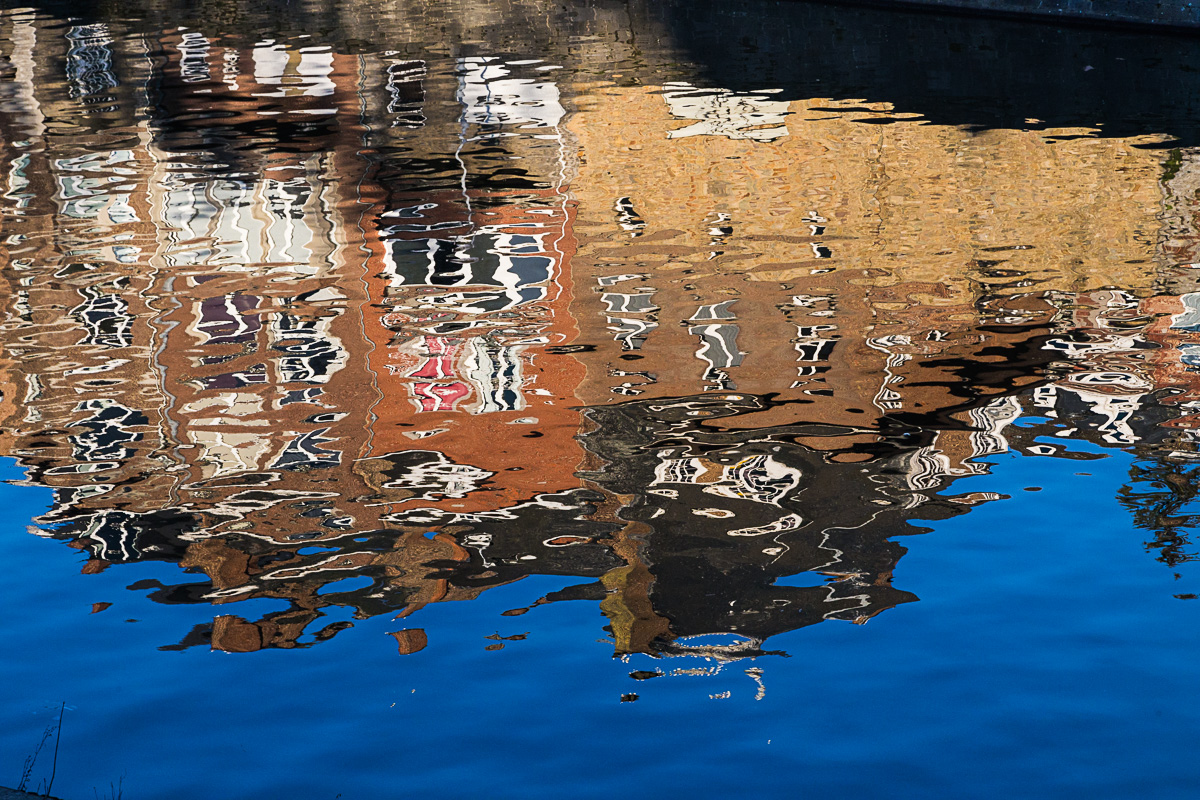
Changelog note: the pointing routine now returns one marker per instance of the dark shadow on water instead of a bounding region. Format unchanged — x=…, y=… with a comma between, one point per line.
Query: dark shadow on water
x=952, y=69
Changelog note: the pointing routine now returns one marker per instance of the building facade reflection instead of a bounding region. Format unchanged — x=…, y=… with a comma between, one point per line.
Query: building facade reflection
x=284, y=314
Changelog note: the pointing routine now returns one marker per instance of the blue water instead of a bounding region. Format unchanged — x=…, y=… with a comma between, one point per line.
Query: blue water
x=372, y=373
x=1047, y=658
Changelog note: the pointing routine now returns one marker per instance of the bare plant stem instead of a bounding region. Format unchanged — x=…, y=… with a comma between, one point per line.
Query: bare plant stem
x=57, y=739
x=31, y=759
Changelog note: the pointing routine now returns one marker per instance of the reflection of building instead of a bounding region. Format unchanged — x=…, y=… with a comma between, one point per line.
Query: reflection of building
x=211, y=365
x=720, y=520
x=382, y=315
x=471, y=307
x=888, y=279
x=853, y=282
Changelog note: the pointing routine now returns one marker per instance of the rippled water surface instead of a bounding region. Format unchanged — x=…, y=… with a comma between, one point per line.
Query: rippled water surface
x=523, y=399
